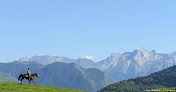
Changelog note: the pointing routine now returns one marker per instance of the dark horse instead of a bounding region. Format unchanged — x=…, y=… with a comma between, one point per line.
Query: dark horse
x=22, y=76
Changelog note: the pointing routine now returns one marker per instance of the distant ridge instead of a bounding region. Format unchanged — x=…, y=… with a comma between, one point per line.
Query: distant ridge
x=46, y=59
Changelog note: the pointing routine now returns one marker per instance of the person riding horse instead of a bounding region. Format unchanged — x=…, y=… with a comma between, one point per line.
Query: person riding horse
x=27, y=76
x=28, y=73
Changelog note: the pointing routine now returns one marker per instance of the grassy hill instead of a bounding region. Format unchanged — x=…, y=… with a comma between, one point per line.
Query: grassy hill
x=7, y=78
x=16, y=87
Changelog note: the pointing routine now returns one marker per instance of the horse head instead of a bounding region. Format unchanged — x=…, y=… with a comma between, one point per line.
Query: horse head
x=37, y=74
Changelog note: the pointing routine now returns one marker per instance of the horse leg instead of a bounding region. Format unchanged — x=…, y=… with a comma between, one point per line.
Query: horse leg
x=29, y=82
x=21, y=81
x=33, y=82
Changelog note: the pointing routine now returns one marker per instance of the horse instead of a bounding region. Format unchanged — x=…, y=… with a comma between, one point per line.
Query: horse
x=22, y=76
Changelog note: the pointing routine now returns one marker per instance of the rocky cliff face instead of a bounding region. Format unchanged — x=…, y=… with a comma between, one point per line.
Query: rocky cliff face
x=23, y=59
x=140, y=62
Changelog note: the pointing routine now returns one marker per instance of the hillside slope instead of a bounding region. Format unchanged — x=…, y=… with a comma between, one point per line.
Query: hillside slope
x=16, y=87
x=162, y=79
x=73, y=76
x=7, y=78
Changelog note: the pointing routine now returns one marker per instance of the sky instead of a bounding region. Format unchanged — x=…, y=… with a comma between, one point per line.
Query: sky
x=85, y=28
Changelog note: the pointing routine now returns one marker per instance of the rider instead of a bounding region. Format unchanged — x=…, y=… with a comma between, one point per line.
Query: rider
x=28, y=73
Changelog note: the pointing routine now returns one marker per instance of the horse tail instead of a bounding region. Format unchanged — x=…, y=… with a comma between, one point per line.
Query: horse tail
x=19, y=77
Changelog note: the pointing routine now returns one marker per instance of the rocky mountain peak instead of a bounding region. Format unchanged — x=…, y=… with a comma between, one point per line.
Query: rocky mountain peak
x=140, y=49
x=115, y=55
x=46, y=58
x=25, y=58
x=141, y=54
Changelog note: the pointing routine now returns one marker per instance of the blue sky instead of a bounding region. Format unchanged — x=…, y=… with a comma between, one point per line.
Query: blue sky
x=78, y=28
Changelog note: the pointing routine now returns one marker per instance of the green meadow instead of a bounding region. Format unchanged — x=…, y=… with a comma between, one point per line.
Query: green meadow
x=17, y=87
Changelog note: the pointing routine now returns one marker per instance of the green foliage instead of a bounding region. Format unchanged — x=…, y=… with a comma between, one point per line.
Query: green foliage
x=161, y=79
x=16, y=87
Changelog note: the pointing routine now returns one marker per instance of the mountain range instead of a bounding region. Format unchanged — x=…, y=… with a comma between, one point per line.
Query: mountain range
x=140, y=62
x=73, y=73
x=46, y=59
x=59, y=74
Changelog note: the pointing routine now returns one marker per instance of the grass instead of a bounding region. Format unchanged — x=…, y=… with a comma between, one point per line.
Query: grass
x=164, y=90
x=17, y=87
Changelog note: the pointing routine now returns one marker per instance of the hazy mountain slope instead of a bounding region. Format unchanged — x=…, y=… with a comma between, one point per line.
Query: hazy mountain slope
x=73, y=76
x=15, y=68
x=161, y=79
x=45, y=60
x=7, y=78
x=86, y=63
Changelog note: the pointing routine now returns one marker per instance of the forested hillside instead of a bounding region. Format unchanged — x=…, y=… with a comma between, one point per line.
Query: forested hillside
x=161, y=79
